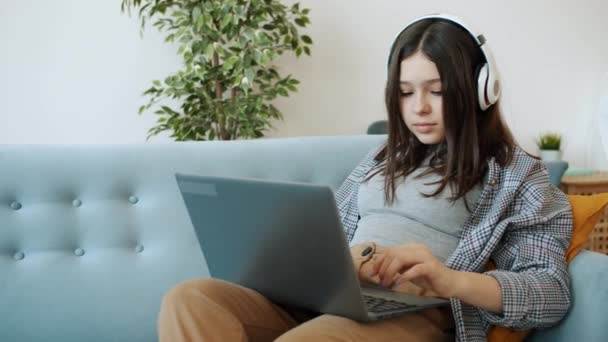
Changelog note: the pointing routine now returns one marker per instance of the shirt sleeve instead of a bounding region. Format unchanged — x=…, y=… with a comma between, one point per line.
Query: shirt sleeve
x=531, y=262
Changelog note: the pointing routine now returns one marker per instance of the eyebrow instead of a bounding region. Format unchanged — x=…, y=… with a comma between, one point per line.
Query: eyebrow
x=424, y=82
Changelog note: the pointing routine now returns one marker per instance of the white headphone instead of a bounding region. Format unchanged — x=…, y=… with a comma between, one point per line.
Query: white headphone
x=488, y=80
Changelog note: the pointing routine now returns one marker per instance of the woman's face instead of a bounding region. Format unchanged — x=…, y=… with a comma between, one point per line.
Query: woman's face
x=421, y=98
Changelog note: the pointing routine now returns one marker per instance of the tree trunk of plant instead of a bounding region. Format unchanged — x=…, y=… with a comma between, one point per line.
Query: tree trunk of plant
x=219, y=111
x=235, y=125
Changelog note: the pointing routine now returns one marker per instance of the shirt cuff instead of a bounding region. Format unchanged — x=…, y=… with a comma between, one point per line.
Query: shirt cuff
x=514, y=299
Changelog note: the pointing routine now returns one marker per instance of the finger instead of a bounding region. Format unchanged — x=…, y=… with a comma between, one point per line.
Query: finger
x=414, y=272
x=385, y=263
x=431, y=293
x=378, y=260
x=408, y=255
x=391, y=272
x=399, y=281
x=405, y=286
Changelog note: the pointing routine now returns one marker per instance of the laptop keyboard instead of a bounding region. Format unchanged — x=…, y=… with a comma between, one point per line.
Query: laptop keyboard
x=380, y=305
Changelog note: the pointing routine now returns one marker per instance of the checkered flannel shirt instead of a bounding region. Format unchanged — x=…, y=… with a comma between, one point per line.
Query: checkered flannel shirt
x=523, y=224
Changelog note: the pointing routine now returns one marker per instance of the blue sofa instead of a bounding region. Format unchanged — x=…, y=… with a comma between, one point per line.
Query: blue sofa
x=92, y=236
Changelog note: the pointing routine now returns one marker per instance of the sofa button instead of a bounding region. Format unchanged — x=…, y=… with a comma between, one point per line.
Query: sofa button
x=133, y=199
x=139, y=248
x=15, y=205
x=79, y=251
x=77, y=203
x=19, y=256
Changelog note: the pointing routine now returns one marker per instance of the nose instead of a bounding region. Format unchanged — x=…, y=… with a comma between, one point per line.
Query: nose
x=421, y=104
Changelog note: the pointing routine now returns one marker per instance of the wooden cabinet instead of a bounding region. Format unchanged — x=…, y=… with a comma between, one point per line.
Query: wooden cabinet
x=589, y=185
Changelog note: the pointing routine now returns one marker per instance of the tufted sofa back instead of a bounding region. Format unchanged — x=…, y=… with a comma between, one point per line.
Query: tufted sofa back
x=92, y=236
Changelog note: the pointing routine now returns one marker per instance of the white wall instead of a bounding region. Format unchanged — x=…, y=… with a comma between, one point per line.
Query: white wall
x=72, y=71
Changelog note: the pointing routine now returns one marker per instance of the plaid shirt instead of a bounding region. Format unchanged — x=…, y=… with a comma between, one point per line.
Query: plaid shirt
x=521, y=222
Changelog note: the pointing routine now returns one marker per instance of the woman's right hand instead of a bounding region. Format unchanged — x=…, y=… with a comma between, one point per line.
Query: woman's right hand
x=366, y=271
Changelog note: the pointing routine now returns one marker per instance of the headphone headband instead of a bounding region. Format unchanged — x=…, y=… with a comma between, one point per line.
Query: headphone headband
x=488, y=82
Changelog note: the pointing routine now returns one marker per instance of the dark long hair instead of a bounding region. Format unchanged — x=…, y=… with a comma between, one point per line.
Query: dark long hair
x=472, y=135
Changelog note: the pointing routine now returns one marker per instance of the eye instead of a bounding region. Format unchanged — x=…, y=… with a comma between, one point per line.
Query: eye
x=437, y=93
x=405, y=93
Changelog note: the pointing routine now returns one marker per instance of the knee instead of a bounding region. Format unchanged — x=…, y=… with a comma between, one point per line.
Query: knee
x=323, y=328
x=304, y=335
x=190, y=290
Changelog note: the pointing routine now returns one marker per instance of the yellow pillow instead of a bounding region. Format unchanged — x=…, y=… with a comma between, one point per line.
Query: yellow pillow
x=586, y=210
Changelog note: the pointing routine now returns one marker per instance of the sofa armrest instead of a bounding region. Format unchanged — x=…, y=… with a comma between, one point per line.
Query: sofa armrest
x=588, y=316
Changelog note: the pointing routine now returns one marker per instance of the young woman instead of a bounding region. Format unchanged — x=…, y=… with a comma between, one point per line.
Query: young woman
x=447, y=193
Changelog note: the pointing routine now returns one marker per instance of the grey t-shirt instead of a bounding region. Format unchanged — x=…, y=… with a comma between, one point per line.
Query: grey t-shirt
x=434, y=221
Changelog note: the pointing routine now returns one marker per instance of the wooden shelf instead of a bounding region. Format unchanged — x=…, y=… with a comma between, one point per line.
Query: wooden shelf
x=596, y=178
x=588, y=185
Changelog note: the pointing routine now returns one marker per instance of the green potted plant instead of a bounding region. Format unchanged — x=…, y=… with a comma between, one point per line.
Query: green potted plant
x=227, y=82
x=549, y=145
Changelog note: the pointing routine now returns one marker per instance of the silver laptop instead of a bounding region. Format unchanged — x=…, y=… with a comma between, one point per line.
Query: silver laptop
x=285, y=240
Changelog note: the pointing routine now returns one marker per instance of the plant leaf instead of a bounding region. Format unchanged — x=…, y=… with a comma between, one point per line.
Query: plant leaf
x=306, y=39
x=227, y=47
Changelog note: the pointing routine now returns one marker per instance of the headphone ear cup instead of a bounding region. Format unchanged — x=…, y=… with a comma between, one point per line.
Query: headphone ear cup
x=482, y=83
x=493, y=88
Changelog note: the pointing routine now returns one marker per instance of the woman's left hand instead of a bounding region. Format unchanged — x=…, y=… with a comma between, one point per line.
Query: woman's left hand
x=415, y=263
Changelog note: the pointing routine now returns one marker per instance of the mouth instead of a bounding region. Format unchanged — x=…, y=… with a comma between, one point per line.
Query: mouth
x=424, y=128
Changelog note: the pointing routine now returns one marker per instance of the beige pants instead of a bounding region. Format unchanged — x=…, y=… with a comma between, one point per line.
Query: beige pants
x=215, y=310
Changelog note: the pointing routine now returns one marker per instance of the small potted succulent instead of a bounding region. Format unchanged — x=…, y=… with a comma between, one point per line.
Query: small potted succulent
x=549, y=145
